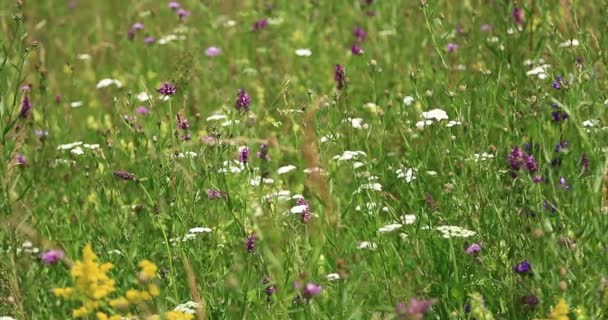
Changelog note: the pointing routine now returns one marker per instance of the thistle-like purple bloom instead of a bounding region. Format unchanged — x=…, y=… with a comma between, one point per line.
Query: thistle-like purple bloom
x=416, y=309
x=515, y=158
x=305, y=215
x=359, y=34
x=473, y=249
x=20, y=160
x=340, y=76
x=51, y=256
x=263, y=153
x=173, y=5
x=182, y=123
x=137, y=26
x=530, y=162
x=124, y=175
x=142, y=110
x=537, y=179
x=523, y=267
x=244, y=155
x=563, y=183
x=356, y=50
x=585, y=162
x=529, y=300
x=311, y=290
x=559, y=116
x=250, y=242
x=561, y=146
x=167, y=89
x=26, y=108
x=149, y=40
x=212, y=51
x=518, y=15
x=259, y=25
x=183, y=13
x=243, y=100
x=269, y=288
x=451, y=47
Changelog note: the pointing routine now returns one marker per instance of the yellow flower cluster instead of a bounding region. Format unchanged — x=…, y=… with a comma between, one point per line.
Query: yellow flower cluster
x=173, y=315
x=92, y=286
x=560, y=311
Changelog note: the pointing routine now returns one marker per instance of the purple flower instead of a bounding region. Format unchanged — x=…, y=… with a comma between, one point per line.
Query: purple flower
x=137, y=26
x=549, y=206
x=585, y=162
x=563, y=183
x=182, y=123
x=340, y=76
x=26, y=108
x=475, y=248
x=305, y=214
x=561, y=146
x=515, y=158
x=359, y=34
x=530, y=162
x=58, y=98
x=51, y=256
x=173, y=5
x=250, y=242
x=42, y=134
x=243, y=100
x=183, y=13
x=311, y=290
x=26, y=88
x=20, y=160
x=523, y=267
x=416, y=309
x=263, y=153
x=213, y=51
x=356, y=50
x=167, y=89
x=451, y=47
x=213, y=194
x=124, y=175
x=559, y=116
x=244, y=154
x=131, y=34
x=149, y=40
x=529, y=300
x=142, y=110
x=260, y=24
x=518, y=15
x=486, y=27
x=269, y=288
x=537, y=179
x=557, y=84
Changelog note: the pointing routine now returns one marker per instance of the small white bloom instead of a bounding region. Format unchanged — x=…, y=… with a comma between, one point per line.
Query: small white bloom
x=408, y=100
x=423, y=123
x=367, y=245
x=570, y=43
x=286, y=169
x=189, y=307
x=108, y=82
x=409, y=174
x=91, y=146
x=143, y=96
x=258, y=180
x=453, y=123
x=115, y=251
x=77, y=151
x=349, y=155
x=409, y=219
x=356, y=123
x=390, y=227
x=369, y=186
x=591, y=123
x=230, y=122
x=303, y=52
x=282, y=195
x=84, y=56
x=217, y=117
x=76, y=104
x=358, y=164
x=299, y=209
x=435, y=114
x=330, y=277
x=455, y=231
x=229, y=23
x=540, y=71
x=69, y=146
x=431, y=173
x=196, y=230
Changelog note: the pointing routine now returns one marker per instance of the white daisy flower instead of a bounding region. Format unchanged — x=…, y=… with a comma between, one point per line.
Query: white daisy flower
x=299, y=209
x=356, y=123
x=303, y=52
x=282, y=195
x=286, y=169
x=453, y=123
x=69, y=146
x=423, y=123
x=358, y=164
x=196, y=230
x=408, y=100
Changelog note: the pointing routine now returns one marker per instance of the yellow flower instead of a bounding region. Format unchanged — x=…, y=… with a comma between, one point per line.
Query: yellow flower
x=103, y=316
x=136, y=296
x=178, y=315
x=63, y=292
x=153, y=290
x=560, y=312
x=148, y=270
x=80, y=312
x=119, y=303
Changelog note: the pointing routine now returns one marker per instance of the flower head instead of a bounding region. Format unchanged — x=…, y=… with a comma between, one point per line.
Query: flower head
x=142, y=110
x=259, y=24
x=149, y=40
x=250, y=242
x=473, y=249
x=212, y=51
x=183, y=13
x=124, y=175
x=311, y=290
x=557, y=84
x=451, y=47
x=356, y=50
x=167, y=89
x=359, y=34
x=263, y=153
x=518, y=15
x=26, y=108
x=243, y=100
x=523, y=267
x=340, y=76
x=182, y=122
x=20, y=160
x=244, y=154
x=173, y=5
x=213, y=194
x=51, y=256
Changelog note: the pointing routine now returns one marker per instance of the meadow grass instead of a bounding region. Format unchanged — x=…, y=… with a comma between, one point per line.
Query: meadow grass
x=317, y=160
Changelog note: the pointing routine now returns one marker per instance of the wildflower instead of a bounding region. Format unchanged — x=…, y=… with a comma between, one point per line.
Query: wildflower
x=244, y=154
x=20, y=160
x=137, y=26
x=263, y=153
x=537, y=179
x=390, y=227
x=356, y=50
x=455, y=231
x=359, y=34
x=183, y=13
x=523, y=267
x=142, y=110
x=214, y=194
x=212, y=51
x=243, y=100
x=518, y=15
x=178, y=315
x=560, y=311
x=51, y=256
x=435, y=114
x=408, y=100
x=477, y=309
x=529, y=300
x=124, y=175
x=286, y=169
x=26, y=108
x=108, y=82
x=557, y=84
x=182, y=123
x=149, y=40
x=416, y=309
x=585, y=162
x=259, y=25
x=250, y=242
x=451, y=47
x=167, y=89
x=269, y=288
x=148, y=270
x=563, y=183
x=473, y=249
x=562, y=145
x=41, y=134
x=530, y=163
x=340, y=76
x=173, y=5
x=311, y=290
x=486, y=27
x=303, y=52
